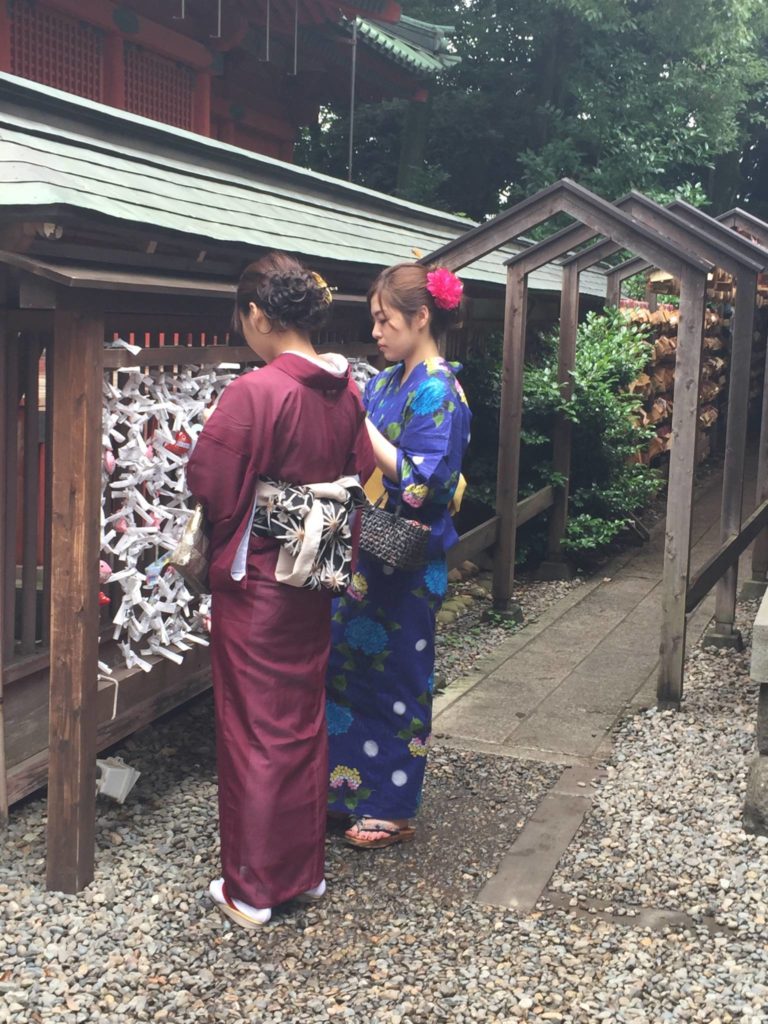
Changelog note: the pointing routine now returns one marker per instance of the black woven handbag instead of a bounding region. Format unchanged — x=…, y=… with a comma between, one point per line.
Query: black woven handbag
x=392, y=539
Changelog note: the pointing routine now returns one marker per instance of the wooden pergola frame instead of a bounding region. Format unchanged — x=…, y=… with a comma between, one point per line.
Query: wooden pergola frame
x=699, y=233
x=738, y=220
x=665, y=239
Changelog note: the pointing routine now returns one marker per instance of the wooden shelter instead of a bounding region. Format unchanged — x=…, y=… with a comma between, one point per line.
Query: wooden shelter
x=700, y=234
x=690, y=253
x=745, y=224
x=114, y=226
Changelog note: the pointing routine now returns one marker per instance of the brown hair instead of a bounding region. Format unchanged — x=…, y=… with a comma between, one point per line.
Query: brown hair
x=404, y=287
x=286, y=292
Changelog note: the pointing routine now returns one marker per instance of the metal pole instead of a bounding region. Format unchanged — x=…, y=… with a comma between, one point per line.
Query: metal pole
x=352, y=100
x=269, y=27
x=218, y=30
x=296, y=37
x=182, y=16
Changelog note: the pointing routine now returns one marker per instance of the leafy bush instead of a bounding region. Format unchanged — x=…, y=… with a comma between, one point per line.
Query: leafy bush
x=606, y=486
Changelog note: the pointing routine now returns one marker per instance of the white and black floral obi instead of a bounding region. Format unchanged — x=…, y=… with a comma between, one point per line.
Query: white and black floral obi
x=312, y=522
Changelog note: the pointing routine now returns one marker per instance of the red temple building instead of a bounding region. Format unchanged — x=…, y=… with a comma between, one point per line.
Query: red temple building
x=247, y=72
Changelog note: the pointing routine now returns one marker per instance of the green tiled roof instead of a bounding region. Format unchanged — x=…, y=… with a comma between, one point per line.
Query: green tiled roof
x=58, y=150
x=417, y=45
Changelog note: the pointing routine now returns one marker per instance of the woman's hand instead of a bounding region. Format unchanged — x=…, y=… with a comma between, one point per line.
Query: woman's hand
x=207, y=413
x=384, y=451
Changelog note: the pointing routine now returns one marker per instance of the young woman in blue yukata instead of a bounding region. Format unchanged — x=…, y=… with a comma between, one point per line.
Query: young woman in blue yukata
x=381, y=672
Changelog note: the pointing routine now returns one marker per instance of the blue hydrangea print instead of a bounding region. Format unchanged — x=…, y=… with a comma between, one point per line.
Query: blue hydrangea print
x=436, y=578
x=338, y=717
x=429, y=396
x=366, y=635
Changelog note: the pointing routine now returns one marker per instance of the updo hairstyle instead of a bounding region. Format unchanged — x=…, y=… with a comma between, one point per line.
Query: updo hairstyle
x=404, y=288
x=288, y=294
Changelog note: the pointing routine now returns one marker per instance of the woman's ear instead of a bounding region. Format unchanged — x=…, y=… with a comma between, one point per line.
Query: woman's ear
x=422, y=318
x=258, y=318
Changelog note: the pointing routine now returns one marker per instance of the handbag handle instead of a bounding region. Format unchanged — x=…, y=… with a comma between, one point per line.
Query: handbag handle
x=382, y=498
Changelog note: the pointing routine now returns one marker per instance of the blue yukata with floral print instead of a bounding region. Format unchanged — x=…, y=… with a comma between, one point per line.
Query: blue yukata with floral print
x=381, y=670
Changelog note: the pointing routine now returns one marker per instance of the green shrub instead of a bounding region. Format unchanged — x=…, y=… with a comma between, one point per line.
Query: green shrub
x=605, y=486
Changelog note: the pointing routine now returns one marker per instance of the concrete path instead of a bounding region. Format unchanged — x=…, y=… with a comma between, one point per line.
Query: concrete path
x=555, y=690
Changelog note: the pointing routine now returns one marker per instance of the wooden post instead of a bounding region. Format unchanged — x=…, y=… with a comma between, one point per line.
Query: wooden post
x=612, y=291
x=561, y=442
x=114, y=70
x=724, y=633
x=4, y=568
x=201, y=103
x=31, y=464
x=677, y=548
x=9, y=412
x=757, y=585
x=510, y=420
x=76, y=484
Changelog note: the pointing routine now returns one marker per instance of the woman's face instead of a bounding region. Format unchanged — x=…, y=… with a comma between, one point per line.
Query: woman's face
x=396, y=336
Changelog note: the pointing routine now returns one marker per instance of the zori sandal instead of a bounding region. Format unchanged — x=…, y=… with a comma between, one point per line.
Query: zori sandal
x=386, y=834
x=237, y=911
x=312, y=895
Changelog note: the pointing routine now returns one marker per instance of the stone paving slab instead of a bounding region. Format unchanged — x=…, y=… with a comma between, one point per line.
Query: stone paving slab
x=560, y=686
x=526, y=869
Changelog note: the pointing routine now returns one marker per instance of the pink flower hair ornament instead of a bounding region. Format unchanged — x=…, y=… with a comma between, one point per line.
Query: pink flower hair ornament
x=445, y=288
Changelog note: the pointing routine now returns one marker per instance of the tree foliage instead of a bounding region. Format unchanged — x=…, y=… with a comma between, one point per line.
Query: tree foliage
x=607, y=484
x=616, y=94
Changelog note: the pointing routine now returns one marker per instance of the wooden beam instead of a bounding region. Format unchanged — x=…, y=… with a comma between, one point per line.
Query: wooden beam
x=535, y=504
x=485, y=238
x=727, y=555
x=677, y=549
x=594, y=254
x=613, y=290
x=757, y=254
x=77, y=354
x=698, y=233
x=632, y=235
x=552, y=248
x=510, y=420
x=759, y=570
x=737, y=218
x=735, y=444
x=470, y=544
x=563, y=429
x=4, y=569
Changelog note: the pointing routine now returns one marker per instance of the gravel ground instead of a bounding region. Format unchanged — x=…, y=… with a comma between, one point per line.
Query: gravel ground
x=400, y=938
x=665, y=830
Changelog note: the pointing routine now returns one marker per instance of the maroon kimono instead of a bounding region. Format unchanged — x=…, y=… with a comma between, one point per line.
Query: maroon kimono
x=296, y=422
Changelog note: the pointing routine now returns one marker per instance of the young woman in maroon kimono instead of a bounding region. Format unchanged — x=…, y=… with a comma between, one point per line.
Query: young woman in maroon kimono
x=299, y=419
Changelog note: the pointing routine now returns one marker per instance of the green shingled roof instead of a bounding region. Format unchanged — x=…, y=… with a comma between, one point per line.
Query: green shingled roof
x=417, y=45
x=58, y=150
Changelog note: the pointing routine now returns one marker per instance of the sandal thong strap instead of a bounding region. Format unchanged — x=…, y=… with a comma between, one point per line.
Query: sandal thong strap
x=390, y=830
